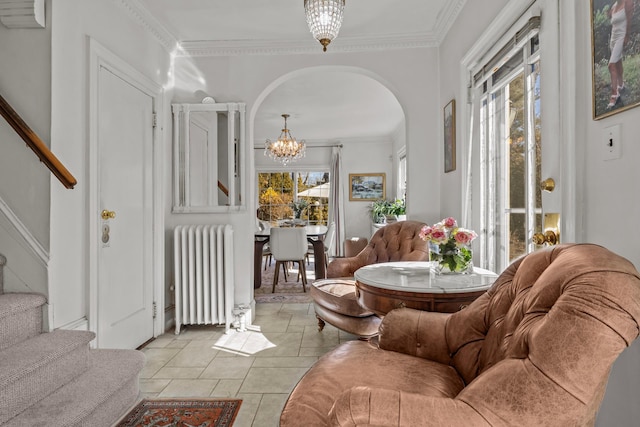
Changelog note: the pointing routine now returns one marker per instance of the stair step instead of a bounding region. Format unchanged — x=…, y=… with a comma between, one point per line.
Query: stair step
x=20, y=317
x=97, y=398
x=34, y=368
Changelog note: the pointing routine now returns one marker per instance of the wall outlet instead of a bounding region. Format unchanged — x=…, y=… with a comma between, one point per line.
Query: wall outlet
x=611, y=143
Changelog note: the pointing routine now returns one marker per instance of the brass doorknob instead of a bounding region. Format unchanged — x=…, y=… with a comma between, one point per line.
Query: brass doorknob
x=107, y=214
x=548, y=185
x=549, y=237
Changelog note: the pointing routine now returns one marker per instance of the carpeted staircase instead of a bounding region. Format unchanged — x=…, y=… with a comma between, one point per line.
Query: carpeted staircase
x=54, y=378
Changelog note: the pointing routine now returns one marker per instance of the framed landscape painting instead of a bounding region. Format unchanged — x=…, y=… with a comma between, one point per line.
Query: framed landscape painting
x=366, y=187
x=450, y=136
x=615, y=56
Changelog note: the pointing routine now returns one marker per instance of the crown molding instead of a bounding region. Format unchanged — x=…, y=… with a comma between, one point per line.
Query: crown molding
x=206, y=48
x=22, y=13
x=146, y=20
x=447, y=17
x=280, y=47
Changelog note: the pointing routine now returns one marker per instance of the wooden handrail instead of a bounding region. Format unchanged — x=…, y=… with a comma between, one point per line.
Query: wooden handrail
x=35, y=143
x=224, y=189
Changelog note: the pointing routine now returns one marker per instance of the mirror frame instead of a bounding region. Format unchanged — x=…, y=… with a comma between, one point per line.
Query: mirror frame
x=235, y=159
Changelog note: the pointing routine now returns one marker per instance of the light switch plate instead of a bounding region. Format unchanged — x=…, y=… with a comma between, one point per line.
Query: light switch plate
x=611, y=143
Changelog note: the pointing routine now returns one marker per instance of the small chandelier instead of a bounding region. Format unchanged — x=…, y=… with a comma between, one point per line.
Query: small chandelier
x=324, y=18
x=286, y=149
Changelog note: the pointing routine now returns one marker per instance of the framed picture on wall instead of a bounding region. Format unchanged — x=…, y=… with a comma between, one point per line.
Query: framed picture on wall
x=615, y=56
x=450, y=136
x=367, y=187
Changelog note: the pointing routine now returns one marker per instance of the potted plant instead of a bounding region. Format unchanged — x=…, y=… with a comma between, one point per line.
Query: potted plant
x=397, y=211
x=298, y=206
x=387, y=211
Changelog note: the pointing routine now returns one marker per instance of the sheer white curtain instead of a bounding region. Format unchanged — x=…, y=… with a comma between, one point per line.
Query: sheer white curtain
x=336, y=199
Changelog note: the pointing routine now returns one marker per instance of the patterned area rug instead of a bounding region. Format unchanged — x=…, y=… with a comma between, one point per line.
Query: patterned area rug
x=183, y=413
x=287, y=291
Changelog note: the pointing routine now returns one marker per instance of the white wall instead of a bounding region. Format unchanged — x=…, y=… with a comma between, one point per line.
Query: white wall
x=607, y=190
x=74, y=23
x=24, y=181
x=404, y=72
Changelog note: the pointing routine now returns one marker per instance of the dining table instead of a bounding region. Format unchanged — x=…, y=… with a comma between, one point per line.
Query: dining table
x=315, y=236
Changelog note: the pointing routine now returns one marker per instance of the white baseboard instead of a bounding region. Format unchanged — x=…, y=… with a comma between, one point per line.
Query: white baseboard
x=77, y=325
x=169, y=318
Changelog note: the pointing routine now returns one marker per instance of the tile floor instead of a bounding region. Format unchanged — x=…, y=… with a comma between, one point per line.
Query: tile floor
x=259, y=367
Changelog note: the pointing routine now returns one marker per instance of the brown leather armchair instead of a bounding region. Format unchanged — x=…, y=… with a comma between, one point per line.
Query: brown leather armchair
x=335, y=299
x=535, y=349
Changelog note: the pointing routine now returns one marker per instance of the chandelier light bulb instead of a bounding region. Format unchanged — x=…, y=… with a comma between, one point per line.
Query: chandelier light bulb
x=285, y=149
x=324, y=18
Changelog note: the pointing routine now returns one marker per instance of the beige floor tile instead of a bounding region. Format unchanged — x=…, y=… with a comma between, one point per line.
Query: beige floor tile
x=188, y=388
x=313, y=338
x=248, y=409
x=260, y=366
x=284, y=362
x=151, y=368
x=295, y=328
x=193, y=358
x=159, y=343
x=271, y=380
x=177, y=343
x=279, y=324
x=160, y=355
x=228, y=368
x=268, y=413
x=153, y=385
x=315, y=351
x=169, y=372
x=227, y=388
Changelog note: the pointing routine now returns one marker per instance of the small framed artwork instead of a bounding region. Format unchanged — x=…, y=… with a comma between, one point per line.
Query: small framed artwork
x=615, y=56
x=367, y=187
x=450, y=136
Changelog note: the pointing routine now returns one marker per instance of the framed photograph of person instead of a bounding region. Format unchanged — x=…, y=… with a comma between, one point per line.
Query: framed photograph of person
x=450, y=136
x=615, y=56
x=367, y=187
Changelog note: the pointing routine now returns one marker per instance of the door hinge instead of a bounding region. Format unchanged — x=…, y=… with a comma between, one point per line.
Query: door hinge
x=154, y=120
x=155, y=309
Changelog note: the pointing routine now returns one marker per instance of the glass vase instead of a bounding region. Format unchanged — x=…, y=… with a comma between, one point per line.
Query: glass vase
x=458, y=260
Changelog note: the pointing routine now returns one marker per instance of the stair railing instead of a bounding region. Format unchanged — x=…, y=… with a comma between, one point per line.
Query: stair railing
x=35, y=143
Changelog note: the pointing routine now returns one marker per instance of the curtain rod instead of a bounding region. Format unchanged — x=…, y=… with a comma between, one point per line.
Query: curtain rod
x=308, y=146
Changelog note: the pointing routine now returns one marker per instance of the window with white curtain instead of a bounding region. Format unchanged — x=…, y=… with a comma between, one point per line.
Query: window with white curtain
x=401, y=192
x=505, y=157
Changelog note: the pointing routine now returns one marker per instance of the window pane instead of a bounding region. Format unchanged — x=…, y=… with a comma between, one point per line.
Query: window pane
x=517, y=143
x=278, y=191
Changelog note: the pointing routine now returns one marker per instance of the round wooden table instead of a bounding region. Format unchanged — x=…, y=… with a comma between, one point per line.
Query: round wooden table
x=383, y=287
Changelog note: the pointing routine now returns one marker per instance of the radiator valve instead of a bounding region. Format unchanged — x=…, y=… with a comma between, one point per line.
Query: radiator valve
x=240, y=321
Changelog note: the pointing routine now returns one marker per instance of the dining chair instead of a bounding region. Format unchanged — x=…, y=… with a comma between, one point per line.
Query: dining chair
x=288, y=245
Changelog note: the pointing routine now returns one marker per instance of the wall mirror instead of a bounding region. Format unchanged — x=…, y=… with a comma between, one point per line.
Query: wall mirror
x=208, y=157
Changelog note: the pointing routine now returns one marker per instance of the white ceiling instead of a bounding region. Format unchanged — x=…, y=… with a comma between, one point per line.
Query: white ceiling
x=336, y=106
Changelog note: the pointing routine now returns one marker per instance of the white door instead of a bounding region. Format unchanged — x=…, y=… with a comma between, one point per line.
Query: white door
x=125, y=256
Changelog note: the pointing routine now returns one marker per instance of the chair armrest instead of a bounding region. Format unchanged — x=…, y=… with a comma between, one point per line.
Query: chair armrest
x=416, y=333
x=344, y=267
x=383, y=407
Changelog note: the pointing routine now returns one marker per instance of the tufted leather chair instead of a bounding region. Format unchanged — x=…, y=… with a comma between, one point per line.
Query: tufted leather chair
x=536, y=349
x=334, y=298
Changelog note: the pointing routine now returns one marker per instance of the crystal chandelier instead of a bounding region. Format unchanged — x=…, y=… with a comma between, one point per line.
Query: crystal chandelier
x=324, y=18
x=285, y=149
